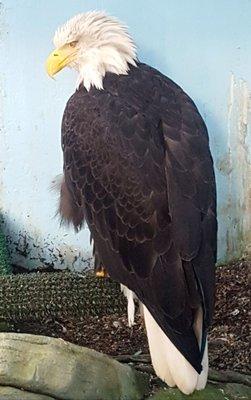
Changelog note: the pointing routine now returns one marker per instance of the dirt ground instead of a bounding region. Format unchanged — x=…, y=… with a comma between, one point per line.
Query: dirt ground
x=228, y=338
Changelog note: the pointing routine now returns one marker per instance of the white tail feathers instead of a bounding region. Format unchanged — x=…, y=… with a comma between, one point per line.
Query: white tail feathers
x=202, y=378
x=169, y=364
x=130, y=304
x=198, y=325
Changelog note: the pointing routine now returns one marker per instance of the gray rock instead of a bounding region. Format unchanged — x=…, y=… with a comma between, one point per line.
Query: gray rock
x=10, y=393
x=59, y=369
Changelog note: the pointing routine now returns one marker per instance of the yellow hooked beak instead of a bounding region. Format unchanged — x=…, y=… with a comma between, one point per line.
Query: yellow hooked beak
x=60, y=58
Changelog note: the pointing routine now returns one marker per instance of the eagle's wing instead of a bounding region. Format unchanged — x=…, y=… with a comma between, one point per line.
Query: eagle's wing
x=192, y=194
x=144, y=179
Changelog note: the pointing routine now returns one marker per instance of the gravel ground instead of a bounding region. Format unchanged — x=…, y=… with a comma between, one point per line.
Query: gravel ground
x=230, y=336
x=228, y=339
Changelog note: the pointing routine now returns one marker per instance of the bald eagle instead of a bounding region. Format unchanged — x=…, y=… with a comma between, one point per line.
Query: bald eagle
x=138, y=169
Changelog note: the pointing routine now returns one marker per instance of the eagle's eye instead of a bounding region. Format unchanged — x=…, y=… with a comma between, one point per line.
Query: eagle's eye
x=73, y=44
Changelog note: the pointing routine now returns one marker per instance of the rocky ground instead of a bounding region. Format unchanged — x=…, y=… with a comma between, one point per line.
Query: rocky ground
x=60, y=298
x=36, y=367
x=228, y=339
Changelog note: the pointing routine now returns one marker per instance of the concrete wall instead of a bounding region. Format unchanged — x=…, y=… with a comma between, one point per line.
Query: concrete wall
x=203, y=45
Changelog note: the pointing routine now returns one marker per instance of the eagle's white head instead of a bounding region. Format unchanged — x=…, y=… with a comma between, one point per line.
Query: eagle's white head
x=93, y=43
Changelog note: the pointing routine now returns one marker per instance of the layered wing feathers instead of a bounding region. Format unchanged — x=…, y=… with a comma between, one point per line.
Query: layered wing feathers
x=137, y=163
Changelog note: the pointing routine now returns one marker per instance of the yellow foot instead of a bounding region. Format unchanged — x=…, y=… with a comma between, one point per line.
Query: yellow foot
x=102, y=273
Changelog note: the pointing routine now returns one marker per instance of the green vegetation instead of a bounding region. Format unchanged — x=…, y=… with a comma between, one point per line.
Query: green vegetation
x=35, y=296
x=5, y=267
x=229, y=391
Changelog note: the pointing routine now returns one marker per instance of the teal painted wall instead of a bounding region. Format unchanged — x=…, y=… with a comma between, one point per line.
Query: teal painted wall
x=204, y=46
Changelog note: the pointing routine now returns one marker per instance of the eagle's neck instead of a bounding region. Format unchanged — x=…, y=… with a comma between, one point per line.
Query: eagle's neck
x=96, y=61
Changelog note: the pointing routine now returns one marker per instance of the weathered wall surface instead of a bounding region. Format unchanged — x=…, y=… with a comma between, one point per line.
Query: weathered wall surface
x=203, y=47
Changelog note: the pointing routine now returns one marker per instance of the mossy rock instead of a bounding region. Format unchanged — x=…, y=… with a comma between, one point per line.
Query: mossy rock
x=61, y=370
x=11, y=393
x=227, y=391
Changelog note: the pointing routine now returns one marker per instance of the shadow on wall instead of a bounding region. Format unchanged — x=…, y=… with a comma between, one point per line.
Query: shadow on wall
x=36, y=252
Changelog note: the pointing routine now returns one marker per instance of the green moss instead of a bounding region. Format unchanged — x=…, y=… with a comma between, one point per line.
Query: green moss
x=37, y=296
x=212, y=392
x=5, y=267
